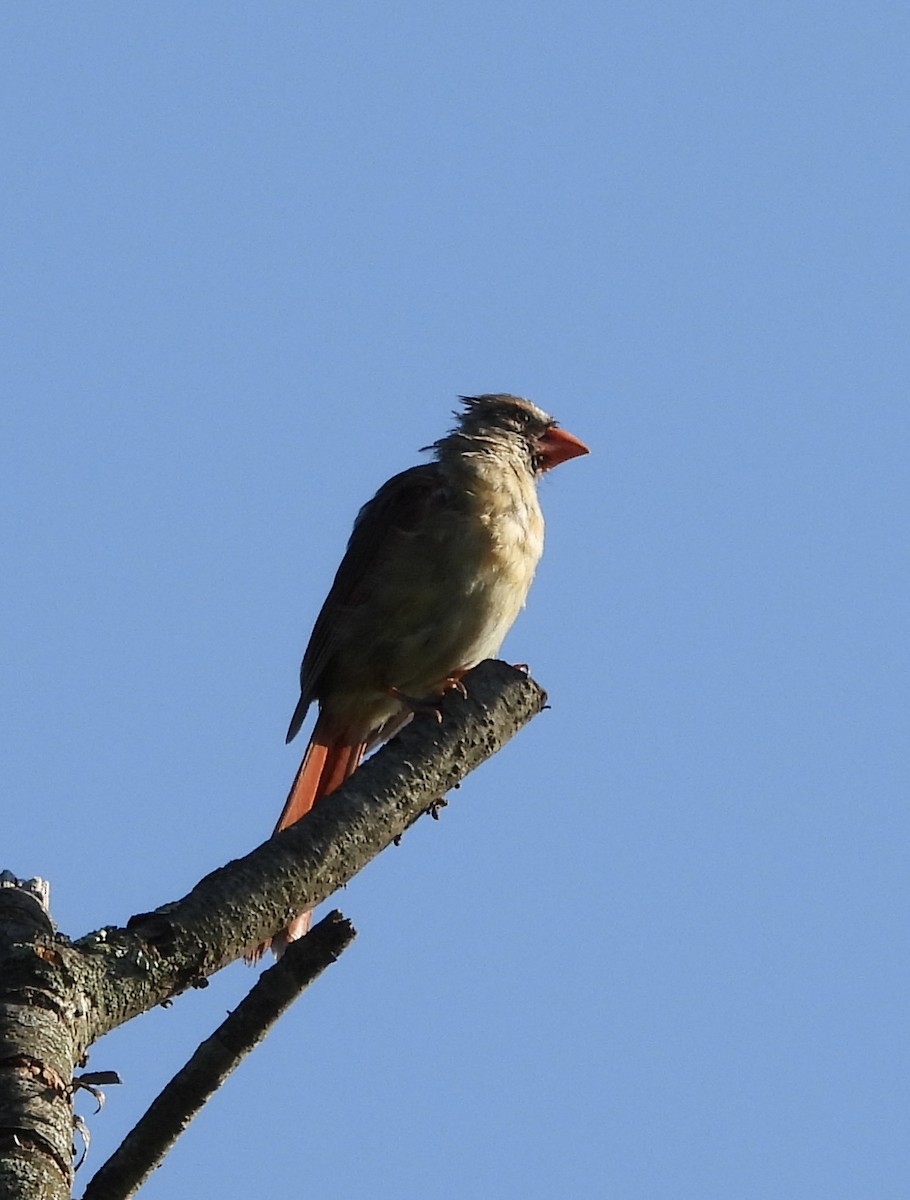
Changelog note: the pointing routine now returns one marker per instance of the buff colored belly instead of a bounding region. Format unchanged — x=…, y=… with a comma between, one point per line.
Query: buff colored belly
x=440, y=609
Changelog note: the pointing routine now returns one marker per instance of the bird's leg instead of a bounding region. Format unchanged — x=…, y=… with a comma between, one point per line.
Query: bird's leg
x=414, y=703
x=451, y=683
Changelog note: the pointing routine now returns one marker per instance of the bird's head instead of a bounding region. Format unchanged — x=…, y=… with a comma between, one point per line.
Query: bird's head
x=495, y=419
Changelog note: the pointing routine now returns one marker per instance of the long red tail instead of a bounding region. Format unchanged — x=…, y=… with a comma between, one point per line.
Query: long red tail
x=326, y=764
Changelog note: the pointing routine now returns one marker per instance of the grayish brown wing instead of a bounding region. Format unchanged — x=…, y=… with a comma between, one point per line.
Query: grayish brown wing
x=400, y=506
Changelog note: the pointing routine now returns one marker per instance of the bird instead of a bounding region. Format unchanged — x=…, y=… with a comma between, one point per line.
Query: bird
x=436, y=570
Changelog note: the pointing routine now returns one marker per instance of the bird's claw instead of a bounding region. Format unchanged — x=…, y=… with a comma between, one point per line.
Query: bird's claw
x=453, y=684
x=428, y=704
x=414, y=703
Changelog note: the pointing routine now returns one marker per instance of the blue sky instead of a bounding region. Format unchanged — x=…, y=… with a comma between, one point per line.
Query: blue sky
x=657, y=948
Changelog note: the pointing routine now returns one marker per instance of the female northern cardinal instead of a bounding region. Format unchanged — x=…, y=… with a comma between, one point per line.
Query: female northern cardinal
x=437, y=568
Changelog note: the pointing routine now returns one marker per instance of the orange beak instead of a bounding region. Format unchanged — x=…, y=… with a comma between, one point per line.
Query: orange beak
x=557, y=446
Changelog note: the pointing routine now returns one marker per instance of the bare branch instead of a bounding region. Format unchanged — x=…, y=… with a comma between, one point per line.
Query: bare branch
x=88, y=987
x=161, y=953
x=170, y=1113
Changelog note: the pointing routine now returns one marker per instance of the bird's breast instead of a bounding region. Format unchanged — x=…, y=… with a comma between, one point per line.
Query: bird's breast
x=487, y=556
x=447, y=597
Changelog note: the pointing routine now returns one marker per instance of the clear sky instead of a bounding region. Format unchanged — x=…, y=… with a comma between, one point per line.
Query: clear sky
x=657, y=949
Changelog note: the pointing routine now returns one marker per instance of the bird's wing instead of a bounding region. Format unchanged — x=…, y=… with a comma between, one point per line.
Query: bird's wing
x=401, y=506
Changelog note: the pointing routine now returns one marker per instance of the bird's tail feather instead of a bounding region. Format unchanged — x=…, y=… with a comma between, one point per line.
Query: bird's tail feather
x=326, y=764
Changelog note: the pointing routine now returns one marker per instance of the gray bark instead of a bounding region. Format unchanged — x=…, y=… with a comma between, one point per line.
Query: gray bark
x=58, y=996
x=144, y=1147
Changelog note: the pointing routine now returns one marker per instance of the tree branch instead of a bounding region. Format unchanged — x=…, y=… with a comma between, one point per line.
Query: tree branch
x=60, y=996
x=125, y=972
x=145, y=1146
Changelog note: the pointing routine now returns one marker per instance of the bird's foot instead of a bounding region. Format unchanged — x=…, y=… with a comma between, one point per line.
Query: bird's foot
x=414, y=703
x=418, y=704
x=453, y=683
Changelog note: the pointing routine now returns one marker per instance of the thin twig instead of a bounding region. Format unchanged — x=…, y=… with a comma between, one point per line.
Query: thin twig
x=143, y=1149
